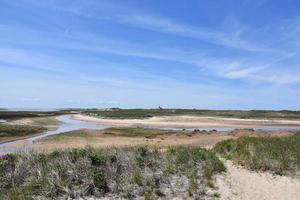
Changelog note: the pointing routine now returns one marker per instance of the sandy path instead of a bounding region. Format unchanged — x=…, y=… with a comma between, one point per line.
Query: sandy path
x=239, y=183
x=186, y=122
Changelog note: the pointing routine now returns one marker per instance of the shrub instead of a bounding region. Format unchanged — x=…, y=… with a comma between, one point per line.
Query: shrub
x=132, y=172
x=100, y=181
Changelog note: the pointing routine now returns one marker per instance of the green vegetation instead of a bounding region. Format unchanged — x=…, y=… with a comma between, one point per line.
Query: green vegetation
x=7, y=130
x=13, y=115
x=147, y=113
x=124, y=132
x=70, y=134
x=274, y=154
x=139, y=132
x=44, y=121
x=127, y=173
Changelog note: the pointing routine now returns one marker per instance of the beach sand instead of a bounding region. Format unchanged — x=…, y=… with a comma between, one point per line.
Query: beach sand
x=188, y=122
x=239, y=183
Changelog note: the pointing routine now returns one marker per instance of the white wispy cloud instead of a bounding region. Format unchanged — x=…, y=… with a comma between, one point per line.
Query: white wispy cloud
x=232, y=68
x=165, y=25
x=242, y=73
x=105, y=10
x=247, y=67
x=283, y=79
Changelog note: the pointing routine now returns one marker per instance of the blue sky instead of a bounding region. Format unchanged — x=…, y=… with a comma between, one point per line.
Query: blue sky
x=190, y=54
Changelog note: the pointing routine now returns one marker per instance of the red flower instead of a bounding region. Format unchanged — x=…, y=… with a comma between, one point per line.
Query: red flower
x=148, y=163
x=2, y=157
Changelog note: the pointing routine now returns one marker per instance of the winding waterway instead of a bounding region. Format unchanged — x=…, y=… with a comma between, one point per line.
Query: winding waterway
x=66, y=124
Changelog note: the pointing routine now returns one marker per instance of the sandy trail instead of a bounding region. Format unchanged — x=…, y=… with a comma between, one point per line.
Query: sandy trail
x=242, y=184
x=187, y=122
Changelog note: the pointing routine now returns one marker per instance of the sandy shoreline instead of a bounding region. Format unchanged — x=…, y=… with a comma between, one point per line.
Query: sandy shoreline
x=187, y=122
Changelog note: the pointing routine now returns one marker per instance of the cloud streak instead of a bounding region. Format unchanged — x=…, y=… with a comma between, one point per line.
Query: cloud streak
x=231, y=68
x=247, y=68
x=127, y=52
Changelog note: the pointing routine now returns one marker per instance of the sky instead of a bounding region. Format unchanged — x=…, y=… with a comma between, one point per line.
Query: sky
x=206, y=54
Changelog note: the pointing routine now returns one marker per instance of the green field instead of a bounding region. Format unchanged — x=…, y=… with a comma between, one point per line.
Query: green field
x=147, y=113
x=129, y=173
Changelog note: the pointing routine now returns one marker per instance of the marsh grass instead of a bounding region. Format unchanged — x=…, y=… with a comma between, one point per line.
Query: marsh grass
x=129, y=173
x=122, y=132
x=8, y=130
x=279, y=155
x=14, y=115
x=140, y=132
x=147, y=113
x=44, y=121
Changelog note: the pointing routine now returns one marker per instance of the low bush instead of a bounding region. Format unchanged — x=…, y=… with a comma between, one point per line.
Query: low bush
x=131, y=172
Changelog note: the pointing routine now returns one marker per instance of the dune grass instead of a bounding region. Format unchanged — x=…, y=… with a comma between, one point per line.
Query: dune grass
x=279, y=155
x=128, y=173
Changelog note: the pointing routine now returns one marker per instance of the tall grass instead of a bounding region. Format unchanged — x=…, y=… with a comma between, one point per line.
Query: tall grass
x=274, y=154
x=128, y=173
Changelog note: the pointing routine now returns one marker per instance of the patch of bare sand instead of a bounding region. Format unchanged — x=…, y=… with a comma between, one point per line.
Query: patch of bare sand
x=186, y=122
x=239, y=183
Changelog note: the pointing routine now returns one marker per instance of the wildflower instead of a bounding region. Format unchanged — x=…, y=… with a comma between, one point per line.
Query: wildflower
x=2, y=157
x=148, y=163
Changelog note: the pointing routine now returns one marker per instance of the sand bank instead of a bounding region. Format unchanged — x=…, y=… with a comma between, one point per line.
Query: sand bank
x=188, y=122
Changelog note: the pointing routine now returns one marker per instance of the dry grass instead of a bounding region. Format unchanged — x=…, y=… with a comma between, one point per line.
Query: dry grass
x=122, y=137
